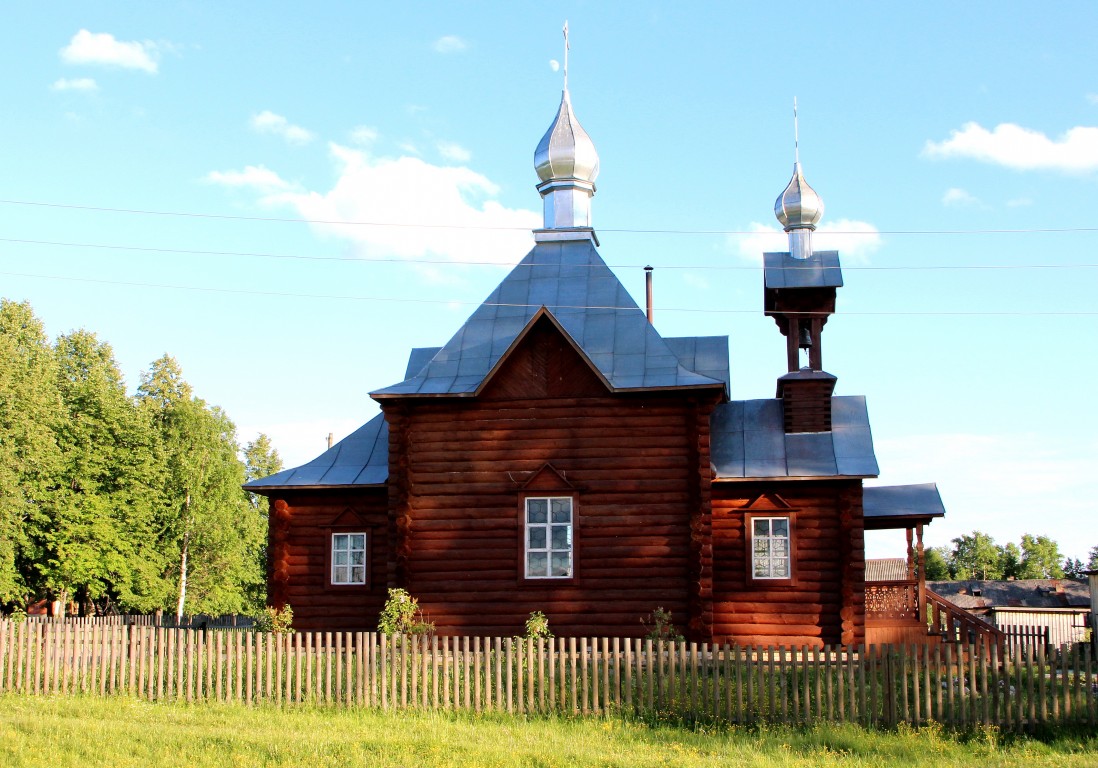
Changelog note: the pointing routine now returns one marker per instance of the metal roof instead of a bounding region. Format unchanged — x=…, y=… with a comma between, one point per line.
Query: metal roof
x=361, y=458
x=820, y=270
x=886, y=569
x=890, y=506
x=571, y=281
x=749, y=441
x=707, y=355
x=418, y=359
x=1020, y=593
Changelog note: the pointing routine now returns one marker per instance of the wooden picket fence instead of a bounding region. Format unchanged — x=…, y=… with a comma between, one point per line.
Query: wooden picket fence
x=959, y=686
x=1019, y=639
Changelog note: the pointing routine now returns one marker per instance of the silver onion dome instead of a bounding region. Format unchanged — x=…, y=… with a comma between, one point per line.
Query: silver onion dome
x=798, y=207
x=567, y=166
x=566, y=151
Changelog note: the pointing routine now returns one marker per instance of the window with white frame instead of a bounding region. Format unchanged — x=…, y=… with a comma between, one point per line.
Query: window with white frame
x=548, y=537
x=348, y=558
x=770, y=548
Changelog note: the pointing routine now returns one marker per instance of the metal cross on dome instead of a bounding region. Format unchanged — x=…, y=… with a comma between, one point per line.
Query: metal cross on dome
x=566, y=47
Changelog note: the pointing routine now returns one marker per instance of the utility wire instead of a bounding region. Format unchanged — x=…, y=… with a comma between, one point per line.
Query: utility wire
x=508, y=265
x=476, y=227
x=344, y=297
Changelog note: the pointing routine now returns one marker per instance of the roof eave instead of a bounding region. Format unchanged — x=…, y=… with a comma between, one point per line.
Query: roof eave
x=265, y=489
x=783, y=478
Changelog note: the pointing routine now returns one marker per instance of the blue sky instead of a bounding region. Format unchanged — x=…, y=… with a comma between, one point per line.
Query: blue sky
x=157, y=162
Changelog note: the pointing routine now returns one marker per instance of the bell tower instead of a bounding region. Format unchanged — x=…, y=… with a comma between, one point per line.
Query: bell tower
x=799, y=293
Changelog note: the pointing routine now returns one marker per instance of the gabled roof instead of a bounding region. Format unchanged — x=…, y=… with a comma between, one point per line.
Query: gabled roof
x=587, y=301
x=749, y=441
x=1020, y=593
x=361, y=458
x=820, y=270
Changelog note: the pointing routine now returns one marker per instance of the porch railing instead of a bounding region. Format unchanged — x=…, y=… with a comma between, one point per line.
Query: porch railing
x=956, y=625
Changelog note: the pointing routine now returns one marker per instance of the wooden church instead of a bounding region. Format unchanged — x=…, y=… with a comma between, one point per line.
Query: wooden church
x=558, y=454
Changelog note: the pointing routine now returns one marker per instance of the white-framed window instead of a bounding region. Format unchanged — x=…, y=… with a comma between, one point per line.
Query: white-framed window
x=771, y=554
x=548, y=537
x=348, y=558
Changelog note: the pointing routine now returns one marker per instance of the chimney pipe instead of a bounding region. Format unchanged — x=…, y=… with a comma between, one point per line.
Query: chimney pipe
x=331, y=438
x=648, y=295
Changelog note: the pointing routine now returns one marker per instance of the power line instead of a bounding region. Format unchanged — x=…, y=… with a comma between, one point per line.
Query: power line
x=459, y=262
x=485, y=228
x=391, y=299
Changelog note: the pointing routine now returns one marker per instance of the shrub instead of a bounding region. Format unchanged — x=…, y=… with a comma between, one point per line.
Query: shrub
x=538, y=626
x=277, y=620
x=660, y=626
x=402, y=616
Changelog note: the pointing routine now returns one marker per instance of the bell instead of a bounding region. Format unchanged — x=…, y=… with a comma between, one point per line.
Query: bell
x=804, y=338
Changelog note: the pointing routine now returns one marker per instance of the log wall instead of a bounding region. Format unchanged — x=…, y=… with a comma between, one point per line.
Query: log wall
x=825, y=602
x=632, y=461
x=299, y=541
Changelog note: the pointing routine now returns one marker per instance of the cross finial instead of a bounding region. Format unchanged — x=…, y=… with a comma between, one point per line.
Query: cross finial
x=796, y=137
x=566, y=46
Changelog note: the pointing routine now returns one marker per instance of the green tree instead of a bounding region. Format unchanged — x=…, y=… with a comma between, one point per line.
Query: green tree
x=30, y=459
x=936, y=564
x=975, y=556
x=1041, y=558
x=1092, y=559
x=1010, y=561
x=1073, y=568
x=209, y=530
x=101, y=544
x=260, y=460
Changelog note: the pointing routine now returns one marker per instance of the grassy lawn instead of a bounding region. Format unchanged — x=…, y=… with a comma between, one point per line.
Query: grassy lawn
x=119, y=732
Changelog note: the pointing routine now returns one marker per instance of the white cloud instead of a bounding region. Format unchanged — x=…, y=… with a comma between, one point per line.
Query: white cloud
x=86, y=84
x=268, y=122
x=440, y=212
x=1021, y=148
x=102, y=48
x=1004, y=484
x=1092, y=98
x=452, y=151
x=1019, y=202
x=554, y=65
x=449, y=44
x=363, y=134
x=253, y=176
x=956, y=197
x=855, y=241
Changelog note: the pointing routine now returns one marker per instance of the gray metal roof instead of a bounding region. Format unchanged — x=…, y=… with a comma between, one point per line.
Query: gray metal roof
x=572, y=282
x=418, y=359
x=820, y=270
x=749, y=441
x=361, y=458
x=707, y=355
x=1020, y=593
x=886, y=569
x=901, y=503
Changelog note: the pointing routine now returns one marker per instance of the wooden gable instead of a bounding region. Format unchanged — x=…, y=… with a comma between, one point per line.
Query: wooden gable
x=543, y=363
x=767, y=502
x=548, y=478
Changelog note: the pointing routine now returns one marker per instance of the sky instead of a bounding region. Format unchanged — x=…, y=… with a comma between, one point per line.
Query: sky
x=287, y=198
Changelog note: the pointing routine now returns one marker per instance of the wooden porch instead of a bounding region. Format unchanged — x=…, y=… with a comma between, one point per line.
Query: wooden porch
x=899, y=608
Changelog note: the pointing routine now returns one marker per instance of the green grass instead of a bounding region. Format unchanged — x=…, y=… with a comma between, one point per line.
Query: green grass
x=120, y=732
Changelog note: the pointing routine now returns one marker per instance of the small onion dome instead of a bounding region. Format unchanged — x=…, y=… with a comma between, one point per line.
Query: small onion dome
x=566, y=151
x=798, y=207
